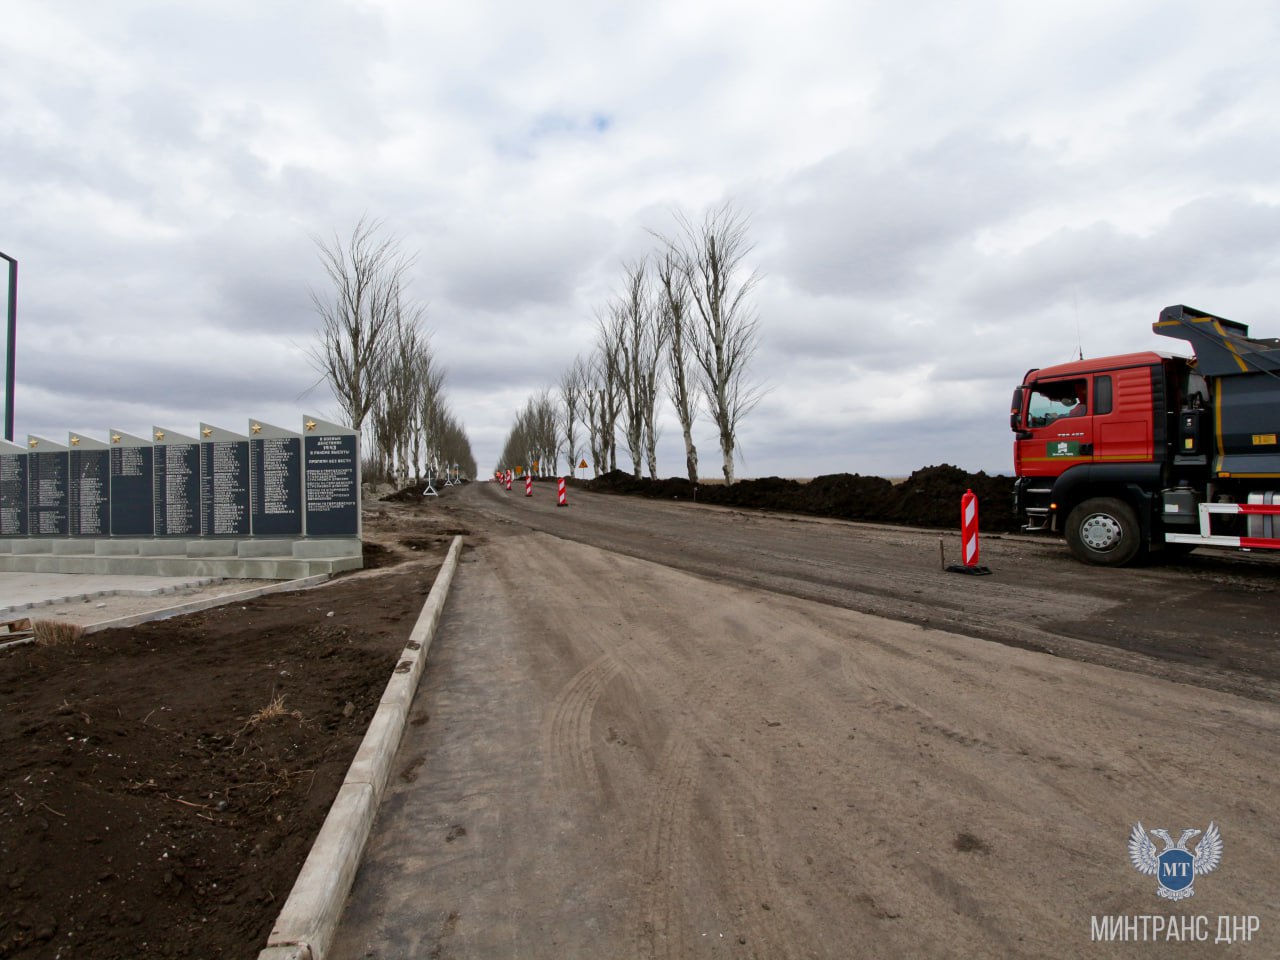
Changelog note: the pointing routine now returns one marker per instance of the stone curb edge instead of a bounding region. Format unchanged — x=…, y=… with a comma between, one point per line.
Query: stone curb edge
x=306, y=924
x=94, y=595
x=195, y=606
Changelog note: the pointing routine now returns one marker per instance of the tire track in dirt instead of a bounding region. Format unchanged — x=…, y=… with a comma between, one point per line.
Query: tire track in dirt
x=665, y=869
x=756, y=888
x=567, y=731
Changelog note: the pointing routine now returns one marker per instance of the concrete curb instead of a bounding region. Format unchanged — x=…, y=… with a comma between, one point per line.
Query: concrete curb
x=195, y=606
x=94, y=595
x=305, y=927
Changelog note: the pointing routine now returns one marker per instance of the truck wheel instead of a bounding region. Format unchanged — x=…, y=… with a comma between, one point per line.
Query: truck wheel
x=1104, y=531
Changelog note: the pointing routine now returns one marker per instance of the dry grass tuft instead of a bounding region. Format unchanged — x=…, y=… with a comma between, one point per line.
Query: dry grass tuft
x=271, y=711
x=52, y=633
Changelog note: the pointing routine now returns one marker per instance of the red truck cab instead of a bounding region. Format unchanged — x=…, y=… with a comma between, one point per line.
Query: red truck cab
x=1145, y=452
x=1090, y=449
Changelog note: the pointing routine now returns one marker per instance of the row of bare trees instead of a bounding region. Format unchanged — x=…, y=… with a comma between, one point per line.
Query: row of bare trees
x=681, y=323
x=375, y=353
x=534, y=441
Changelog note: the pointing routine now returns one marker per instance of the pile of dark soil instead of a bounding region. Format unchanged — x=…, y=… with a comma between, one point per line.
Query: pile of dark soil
x=413, y=493
x=161, y=785
x=930, y=497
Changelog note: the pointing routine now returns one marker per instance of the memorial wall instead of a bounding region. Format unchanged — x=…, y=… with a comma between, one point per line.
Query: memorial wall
x=269, y=482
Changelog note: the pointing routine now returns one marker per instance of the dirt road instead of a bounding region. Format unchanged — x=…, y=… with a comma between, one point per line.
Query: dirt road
x=731, y=752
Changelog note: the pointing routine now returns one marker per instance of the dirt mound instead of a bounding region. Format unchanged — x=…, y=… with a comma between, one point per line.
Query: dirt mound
x=413, y=493
x=930, y=497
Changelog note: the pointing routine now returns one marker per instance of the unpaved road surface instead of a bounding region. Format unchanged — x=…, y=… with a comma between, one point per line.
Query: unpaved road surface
x=656, y=730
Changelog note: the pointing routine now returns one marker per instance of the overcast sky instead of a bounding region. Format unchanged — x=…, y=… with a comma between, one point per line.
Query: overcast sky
x=941, y=196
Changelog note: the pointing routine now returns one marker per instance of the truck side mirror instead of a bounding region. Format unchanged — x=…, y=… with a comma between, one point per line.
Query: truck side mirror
x=1015, y=410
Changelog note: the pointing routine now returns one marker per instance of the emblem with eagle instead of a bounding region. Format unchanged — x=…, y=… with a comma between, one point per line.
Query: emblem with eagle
x=1175, y=868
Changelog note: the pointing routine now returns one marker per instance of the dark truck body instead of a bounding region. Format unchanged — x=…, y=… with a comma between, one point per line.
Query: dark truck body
x=1149, y=452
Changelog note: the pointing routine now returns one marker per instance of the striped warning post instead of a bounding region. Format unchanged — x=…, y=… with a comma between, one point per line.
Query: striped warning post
x=528, y=486
x=563, y=500
x=969, y=528
x=509, y=474
x=968, y=537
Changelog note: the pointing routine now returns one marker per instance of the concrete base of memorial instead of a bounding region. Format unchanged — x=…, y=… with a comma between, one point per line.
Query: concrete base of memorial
x=229, y=559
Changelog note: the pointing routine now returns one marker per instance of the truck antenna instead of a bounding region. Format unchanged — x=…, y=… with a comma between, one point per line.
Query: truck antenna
x=1075, y=306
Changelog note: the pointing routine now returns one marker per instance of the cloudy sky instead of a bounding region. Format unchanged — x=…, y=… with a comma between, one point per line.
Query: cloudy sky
x=941, y=196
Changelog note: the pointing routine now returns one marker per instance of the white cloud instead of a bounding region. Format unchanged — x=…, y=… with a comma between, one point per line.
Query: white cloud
x=940, y=197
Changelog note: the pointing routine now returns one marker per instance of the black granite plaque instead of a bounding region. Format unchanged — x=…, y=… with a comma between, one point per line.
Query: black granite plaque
x=13, y=492
x=332, y=483
x=88, y=483
x=176, y=497
x=224, y=484
x=47, y=492
x=275, y=458
x=132, y=487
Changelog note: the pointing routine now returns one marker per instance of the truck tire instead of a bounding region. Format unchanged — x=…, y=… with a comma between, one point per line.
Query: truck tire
x=1104, y=531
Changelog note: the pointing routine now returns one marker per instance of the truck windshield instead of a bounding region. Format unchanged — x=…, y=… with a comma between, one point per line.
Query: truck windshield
x=1055, y=399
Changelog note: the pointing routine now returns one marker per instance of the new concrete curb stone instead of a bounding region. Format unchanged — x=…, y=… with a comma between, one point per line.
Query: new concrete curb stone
x=205, y=603
x=305, y=927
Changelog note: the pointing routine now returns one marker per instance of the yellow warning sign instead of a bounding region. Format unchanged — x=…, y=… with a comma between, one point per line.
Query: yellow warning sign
x=519, y=470
x=583, y=464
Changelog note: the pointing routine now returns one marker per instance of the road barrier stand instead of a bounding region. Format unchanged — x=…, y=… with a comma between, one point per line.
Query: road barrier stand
x=528, y=486
x=563, y=500
x=509, y=475
x=969, y=537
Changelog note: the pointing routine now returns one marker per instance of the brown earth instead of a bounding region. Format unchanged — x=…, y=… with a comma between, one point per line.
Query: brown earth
x=152, y=803
x=661, y=731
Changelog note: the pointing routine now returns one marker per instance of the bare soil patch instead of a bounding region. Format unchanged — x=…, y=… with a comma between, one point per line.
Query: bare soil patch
x=161, y=785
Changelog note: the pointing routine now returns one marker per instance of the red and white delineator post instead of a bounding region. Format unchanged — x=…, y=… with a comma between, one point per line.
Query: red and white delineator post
x=563, y=498
x=969, y=537
x=1262, y=530
x=969, y=529
x=528, y=486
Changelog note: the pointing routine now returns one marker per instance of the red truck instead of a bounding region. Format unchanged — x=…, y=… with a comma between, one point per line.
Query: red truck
x=1149, y=453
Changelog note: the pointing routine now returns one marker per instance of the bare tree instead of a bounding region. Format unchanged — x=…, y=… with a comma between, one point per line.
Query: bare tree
x=603, y=400
x=455, y=448
x=533, y=443
x=403, y=366
x=431, y=414
x=572, y=387
x=632, y=328
x=673, y=317
x=625, y=328
x=357, y=319
x=724, y=325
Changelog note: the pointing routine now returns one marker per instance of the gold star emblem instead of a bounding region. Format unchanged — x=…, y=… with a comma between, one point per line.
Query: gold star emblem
x=33, y=443
x=207, y=432
x=159, y=434
x=256, y=428
x=116, y=438
x=75, y=441
x=310, y=424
